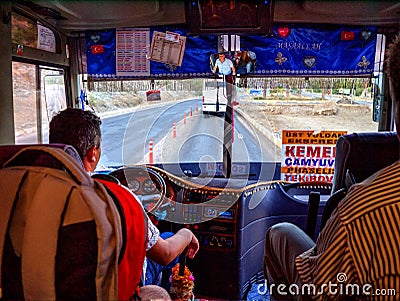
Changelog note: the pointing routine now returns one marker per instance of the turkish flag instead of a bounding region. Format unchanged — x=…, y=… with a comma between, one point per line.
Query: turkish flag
x=347, y=35
x=97, y=49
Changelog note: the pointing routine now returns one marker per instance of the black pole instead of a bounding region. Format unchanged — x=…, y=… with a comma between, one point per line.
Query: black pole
x=227, y=147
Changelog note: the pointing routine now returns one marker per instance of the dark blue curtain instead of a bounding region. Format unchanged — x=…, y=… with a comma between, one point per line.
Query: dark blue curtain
x=295, y=50
x=292, y=51
x=100, y=52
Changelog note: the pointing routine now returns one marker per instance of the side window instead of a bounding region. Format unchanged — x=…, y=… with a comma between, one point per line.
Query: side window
x=33, y=110
x=28, y=33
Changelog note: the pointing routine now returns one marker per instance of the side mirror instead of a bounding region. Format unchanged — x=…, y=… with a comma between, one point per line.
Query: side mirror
x=376, y=107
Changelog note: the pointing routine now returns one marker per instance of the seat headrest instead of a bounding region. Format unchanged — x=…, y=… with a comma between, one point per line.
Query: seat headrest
x=362, y=154
x=7, y=151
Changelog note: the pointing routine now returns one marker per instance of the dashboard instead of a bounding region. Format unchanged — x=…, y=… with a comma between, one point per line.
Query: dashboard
x=138, y=181
x=215, y=209
x=228, y=216
x=209, y=210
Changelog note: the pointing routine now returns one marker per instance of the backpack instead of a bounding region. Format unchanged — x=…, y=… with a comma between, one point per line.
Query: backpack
x=134, y=232
x=67, y=247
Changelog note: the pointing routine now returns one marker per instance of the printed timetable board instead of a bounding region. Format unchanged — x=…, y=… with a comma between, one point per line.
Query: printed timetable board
x=308, y=155
x=167, y=48
x=132, y=47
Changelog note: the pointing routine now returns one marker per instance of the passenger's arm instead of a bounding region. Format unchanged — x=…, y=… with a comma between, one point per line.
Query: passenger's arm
x=165, y=250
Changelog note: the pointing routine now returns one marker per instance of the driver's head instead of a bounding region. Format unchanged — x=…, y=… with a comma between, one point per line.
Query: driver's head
x=81, y=129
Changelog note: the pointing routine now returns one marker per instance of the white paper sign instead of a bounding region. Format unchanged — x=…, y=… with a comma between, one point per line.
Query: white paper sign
x=165, y=51
x=172, y=36
x=46, y=39
x=132, y=49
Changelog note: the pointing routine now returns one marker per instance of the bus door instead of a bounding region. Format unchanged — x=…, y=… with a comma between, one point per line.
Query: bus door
x=52, y=91
x=38, y=94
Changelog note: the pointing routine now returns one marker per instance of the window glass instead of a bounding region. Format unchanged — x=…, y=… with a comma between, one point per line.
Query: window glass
x=24, y=31
x=25, y=103
x=317, y=104
x=33, y=109
x=28, y=33
x=182, y=130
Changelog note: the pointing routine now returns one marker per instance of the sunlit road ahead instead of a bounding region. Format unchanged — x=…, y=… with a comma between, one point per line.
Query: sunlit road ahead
x=198, y=137
x=126, y=136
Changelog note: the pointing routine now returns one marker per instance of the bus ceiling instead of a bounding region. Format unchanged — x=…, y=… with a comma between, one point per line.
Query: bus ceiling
x=71, y=17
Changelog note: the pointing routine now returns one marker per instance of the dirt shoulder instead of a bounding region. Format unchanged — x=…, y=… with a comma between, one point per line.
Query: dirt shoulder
x=275, y=116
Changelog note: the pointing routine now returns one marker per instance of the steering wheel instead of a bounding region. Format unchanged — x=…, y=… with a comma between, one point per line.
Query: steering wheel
x=146, y=184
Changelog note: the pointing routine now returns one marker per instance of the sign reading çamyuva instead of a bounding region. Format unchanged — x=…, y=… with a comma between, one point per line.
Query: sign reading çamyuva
x=308, y=155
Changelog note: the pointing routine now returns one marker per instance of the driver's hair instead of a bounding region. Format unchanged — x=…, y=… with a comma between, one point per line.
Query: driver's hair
x=393, y=66
x=76, y=127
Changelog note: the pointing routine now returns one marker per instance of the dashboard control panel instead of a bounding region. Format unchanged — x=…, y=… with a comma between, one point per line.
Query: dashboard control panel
x=212, y=217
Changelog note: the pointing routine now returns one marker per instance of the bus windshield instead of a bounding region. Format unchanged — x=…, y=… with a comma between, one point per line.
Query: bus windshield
x=238, y=118
x=225, y=98
x=182, y=128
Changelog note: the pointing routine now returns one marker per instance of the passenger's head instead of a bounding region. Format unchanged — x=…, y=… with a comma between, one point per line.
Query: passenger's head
x=393, y=72
x=81, y=129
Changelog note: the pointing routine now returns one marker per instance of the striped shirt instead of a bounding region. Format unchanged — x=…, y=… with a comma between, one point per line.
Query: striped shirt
x=359, y=248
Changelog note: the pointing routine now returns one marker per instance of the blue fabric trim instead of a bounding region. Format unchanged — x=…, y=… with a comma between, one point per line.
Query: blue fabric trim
x=301, y=51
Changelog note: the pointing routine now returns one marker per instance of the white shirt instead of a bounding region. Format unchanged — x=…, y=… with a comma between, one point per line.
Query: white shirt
x=153, y=235
x=224, y=67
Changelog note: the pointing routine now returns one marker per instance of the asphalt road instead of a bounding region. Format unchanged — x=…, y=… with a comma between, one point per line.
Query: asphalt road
x=198, y=137
x=126, y=136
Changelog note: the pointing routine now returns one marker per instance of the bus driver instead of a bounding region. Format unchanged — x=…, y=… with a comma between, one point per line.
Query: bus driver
x=81, y=129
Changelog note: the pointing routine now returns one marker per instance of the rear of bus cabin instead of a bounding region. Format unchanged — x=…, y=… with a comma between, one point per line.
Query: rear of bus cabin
x=220, y=176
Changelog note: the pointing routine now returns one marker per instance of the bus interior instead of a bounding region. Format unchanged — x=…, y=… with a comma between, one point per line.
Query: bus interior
x=317, y=77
